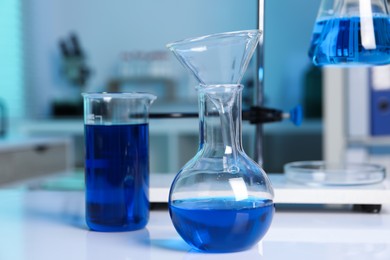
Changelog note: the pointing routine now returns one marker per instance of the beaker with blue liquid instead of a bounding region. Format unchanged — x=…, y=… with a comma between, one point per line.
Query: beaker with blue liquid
x=117, y=160
x=351, y=32
x=221, y=200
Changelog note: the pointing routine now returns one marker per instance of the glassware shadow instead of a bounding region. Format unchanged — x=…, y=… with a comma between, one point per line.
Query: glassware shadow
x=66, y=210
x=173, y=244
x=118, y=245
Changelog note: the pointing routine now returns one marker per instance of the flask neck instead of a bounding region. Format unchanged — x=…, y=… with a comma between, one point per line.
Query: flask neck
x=220, y=121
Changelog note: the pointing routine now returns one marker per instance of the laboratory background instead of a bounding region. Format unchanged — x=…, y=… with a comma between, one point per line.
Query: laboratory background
x=52, y=51
x=41, y=94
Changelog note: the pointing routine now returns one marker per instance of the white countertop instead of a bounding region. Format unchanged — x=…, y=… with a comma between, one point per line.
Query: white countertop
x=50, y=225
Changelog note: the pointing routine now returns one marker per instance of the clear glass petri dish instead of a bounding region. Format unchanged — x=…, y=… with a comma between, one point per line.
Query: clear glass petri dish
x=322, y=173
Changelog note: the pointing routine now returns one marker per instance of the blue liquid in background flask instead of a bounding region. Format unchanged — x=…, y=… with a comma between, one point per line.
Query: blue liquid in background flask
x=351, y=33
x=221, y=200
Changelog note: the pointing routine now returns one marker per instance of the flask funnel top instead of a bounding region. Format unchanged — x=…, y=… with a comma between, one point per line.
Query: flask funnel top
x=217, y=58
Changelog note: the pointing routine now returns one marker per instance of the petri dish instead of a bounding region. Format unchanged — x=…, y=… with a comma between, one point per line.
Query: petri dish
x=323, y=173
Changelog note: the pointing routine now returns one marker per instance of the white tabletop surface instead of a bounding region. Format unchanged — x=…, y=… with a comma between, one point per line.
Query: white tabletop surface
x=50, y=225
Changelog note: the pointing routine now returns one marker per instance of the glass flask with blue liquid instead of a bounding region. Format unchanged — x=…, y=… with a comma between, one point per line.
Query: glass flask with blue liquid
x=351, y=32
x=221, y=200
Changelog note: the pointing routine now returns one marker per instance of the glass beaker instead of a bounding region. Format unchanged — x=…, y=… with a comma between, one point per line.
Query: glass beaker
x=221, y=200
x=351, y=32
x=117, y=160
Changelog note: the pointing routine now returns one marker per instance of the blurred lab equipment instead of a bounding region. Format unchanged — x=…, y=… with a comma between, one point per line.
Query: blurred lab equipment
x=117, y=160
x=351, y=32
x=221, y=200
x=3, y=119
x=74, y=66
x=143, y=71
x=76, y=73
x=379, y=88
x=347, y=33
x=312, y=90
x=358, y=51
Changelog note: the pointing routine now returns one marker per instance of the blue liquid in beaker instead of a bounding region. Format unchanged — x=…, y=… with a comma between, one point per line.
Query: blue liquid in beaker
x=117, y=177
x=338, y=41
x=221, y=225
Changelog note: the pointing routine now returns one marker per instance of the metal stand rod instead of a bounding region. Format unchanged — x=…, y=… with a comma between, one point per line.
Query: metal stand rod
x=259, y=84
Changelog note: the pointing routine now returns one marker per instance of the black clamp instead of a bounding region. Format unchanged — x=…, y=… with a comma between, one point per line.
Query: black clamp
x=255, y=115
x=259, y=115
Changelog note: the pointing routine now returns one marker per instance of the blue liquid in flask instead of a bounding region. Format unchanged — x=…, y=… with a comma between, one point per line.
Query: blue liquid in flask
x=221, y=225
x=338, y=41
x=117, y=177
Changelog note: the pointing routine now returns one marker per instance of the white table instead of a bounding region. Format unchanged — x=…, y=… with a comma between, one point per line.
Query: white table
x=50, y=225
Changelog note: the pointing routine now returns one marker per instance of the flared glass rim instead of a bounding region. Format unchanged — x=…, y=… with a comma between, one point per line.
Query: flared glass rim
x=120, y=95
x=205, y=87
x=213, y=36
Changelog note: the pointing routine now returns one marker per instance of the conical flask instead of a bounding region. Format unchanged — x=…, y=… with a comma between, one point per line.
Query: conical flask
x=221, y=200
x=351, y=32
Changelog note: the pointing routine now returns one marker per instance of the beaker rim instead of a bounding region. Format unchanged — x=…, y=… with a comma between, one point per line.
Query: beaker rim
x=215, y=35
x=119, y=95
